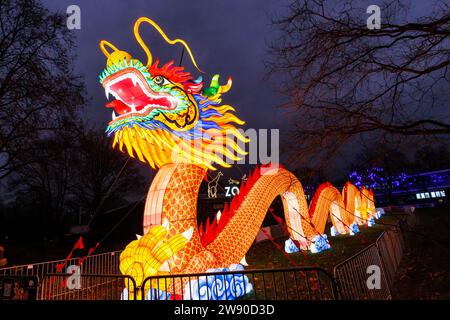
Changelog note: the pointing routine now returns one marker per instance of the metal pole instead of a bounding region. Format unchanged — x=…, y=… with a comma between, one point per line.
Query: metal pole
x=181, y=58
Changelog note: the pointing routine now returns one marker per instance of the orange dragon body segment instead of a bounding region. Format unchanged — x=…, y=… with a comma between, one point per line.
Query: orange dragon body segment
x=233, y=241
x=326, y=202
x=368, y=206
x=168, y=119
x=352, y=201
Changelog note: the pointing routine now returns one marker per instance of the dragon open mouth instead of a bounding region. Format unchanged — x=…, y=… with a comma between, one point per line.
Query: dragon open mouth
x=133, y=95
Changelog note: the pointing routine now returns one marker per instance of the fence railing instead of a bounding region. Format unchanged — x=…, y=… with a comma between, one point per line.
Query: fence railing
x=98, y=264
x=390, y=247
x=103, y=263
x=86, y=287
x=352, y=275
x=308, y=283
x=277, y=284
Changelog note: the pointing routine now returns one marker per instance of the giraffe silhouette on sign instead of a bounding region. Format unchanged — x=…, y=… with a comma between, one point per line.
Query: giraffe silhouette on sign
x=212, y=185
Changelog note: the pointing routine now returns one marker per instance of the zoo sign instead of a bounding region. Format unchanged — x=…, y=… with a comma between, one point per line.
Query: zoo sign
x=233, y=187
x=231, y=191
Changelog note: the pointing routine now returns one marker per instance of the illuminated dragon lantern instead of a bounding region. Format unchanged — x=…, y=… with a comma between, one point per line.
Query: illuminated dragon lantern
x=168, y=119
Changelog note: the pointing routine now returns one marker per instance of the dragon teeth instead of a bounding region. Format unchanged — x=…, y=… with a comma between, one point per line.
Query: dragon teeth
x=114, y=115
x=107, y=92
x=244, y=262
x=218, y=215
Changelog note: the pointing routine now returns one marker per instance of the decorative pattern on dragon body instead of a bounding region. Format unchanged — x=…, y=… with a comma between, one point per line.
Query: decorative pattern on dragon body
x=168, y=119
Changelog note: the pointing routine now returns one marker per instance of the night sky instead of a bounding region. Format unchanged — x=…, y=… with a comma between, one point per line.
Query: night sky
x=230, y=38
x=227, y=37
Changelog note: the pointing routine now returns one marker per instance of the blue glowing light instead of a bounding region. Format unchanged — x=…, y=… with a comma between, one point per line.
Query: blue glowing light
x=354, y=229
x=219, y=287
x=290, y=247
x=320, y=243
x=334, y=232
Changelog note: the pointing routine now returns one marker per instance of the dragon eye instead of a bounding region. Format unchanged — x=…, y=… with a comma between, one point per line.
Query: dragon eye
x=159, y=80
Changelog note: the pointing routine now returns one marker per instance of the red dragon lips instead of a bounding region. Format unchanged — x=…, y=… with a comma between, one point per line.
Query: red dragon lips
x=134, y=97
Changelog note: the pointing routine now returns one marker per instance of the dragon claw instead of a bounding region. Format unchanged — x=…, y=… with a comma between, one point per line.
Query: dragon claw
x=188, y=233
x=165, y=224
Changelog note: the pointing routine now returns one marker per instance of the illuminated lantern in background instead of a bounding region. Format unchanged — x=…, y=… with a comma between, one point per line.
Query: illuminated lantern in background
x=367, y=205
x=352, y=201
x=172, y=121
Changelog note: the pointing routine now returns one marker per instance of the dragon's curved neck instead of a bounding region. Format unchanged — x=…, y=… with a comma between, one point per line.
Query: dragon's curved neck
x=173, y=196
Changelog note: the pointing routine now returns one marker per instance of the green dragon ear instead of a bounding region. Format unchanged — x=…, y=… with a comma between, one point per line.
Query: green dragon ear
x=213, y=87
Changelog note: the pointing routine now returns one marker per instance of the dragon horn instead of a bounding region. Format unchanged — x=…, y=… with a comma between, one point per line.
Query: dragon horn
x=110, y=45
x=116, y=57
x=226, y=88
x=161, y=32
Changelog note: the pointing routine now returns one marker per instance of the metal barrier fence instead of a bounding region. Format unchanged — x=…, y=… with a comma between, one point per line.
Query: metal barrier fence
x=278, y=284
x=351, y=276
x=103, y=263
x=86, y=287
x=390, y=247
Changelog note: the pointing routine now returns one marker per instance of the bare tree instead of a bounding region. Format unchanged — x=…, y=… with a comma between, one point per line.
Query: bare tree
x=431, y=157
x=74, y=173
x=343, y=80
x=39, y=91
x=106, y=177
x=382, y=167
x=55, y=167
x=46, y=178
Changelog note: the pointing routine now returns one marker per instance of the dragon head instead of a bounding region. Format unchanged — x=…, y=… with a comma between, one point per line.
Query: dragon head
x=165, y=116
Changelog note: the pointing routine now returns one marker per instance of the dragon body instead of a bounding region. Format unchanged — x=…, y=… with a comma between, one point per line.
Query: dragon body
x=173, y=122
